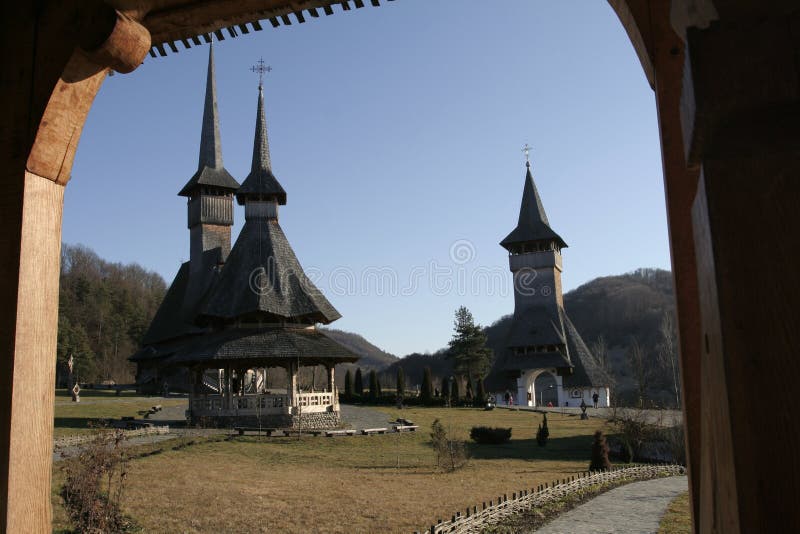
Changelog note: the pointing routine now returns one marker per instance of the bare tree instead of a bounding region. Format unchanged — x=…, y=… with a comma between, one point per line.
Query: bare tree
x=600, y=351
x=668, y=353
x=640, y=367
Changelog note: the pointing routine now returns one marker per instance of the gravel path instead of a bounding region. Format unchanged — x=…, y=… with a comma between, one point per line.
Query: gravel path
x=634, y=508
x=359, y=417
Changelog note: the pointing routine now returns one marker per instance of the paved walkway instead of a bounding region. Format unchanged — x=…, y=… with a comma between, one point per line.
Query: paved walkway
x=634, y=508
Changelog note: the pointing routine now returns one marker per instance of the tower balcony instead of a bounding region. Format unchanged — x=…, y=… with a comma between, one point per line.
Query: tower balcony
x=535, y=260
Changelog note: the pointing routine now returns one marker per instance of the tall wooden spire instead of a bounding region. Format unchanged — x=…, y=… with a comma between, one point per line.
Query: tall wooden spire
x=210, y=144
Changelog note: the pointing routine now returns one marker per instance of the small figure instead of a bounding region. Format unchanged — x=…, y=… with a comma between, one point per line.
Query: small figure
x=595, y=398
x=510, y=399
x=76, y=393
x=583, y=410
x=507, y=396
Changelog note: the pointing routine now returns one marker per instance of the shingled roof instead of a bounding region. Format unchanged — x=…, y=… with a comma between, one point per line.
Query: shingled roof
x=533, y=224
x=210, y=171
x=263, y=274
x=173, y=319
x=261, y=182
x=536, y=325
x=586, y=371
x=244, y=344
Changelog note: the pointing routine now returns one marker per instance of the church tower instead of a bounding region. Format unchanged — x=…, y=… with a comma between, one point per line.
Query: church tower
x=542, y=339
x=210, y=193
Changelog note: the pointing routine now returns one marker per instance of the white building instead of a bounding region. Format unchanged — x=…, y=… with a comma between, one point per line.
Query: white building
x=542, y=339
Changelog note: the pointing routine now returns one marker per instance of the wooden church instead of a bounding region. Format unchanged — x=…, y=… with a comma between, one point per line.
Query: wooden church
x=233, y=313
x=542, y=339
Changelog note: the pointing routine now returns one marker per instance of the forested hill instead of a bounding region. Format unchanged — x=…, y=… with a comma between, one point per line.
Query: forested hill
x=104, y=309
x=372, y=357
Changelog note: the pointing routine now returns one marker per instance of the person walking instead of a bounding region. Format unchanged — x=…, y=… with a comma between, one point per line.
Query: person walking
x=595, y=398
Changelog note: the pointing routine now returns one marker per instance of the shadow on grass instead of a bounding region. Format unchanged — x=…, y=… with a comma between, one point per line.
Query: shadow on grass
x=79, y=422
x=572, y=448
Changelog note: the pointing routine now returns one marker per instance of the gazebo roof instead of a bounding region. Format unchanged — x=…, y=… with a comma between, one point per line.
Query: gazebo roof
x=262, y=346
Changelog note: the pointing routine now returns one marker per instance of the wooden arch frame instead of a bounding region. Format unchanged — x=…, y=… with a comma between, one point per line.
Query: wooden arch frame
x=56, y=55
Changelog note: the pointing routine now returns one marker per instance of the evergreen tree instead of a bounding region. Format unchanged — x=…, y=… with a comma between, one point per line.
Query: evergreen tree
x=446, y=389
x=470, y=396
x=426, y=395
x=380, y=388
x=373, y=385
x=543, y=433
x=454, y=393
x=480, y=395
x=401, y=382
x=600, y=460
x=359, y=383
x=467, y=348
x=348, y=385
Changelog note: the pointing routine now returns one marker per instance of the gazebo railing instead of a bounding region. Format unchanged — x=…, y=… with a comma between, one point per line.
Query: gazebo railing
x=255, y=404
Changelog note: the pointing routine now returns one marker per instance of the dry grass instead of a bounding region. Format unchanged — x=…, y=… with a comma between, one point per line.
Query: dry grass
x=379, y=483
x=678, y=518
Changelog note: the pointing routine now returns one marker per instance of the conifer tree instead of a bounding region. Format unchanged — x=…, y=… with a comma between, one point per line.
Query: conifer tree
x=480, y=395
x=359, y=383
x=427, y=386
x=471, y=358
x=455, y=395
x=470, y=395
x=600, y=460
x=401, y=382
x=446, y=389
x=373, y=385
x=348, y=385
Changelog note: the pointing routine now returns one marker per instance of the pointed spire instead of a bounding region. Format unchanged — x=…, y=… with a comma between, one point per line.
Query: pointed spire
x=261, y=159
x=261, y=183
x=210, y=145
x=532, y=224
x=210, y=171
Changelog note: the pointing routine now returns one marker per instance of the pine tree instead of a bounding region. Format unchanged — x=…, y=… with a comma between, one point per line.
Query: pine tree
x=467, y=348
x=401, y=382
x=446, y=389
x=373, y=385
x=348, y=385
x=470, y=396
x=543, y=433
x=454, y=393
x=600, y=460
x=359, y=383
x=480, y=395
x=426, y=395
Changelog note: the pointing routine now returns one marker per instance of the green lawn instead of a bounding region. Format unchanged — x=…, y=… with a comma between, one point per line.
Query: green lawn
x=385, y=483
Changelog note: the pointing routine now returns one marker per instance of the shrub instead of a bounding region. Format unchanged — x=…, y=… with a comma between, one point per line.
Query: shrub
x=451, y=454
x=94, y=484
x=543, y=433
x=490, y=436
x=600, y=460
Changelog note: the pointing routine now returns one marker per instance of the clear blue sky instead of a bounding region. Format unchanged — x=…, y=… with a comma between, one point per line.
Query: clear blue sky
x=397, y=133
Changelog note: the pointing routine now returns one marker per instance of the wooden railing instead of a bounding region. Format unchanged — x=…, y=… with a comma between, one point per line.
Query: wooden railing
x=262, y=403
x=476, y=519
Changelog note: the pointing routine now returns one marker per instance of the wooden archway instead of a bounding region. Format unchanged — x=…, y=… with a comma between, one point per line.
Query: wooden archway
x=727, y=90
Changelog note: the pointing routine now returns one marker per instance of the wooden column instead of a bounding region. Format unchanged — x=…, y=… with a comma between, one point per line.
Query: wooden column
x=31, y=218
x=741, y=112
x=291, y=386
x=331, y=378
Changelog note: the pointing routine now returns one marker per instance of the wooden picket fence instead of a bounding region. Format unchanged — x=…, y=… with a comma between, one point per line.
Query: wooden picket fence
x=475, y=518
x=72, y=441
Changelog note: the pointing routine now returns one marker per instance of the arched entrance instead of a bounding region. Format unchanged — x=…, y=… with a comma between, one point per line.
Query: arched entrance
x=547, y=389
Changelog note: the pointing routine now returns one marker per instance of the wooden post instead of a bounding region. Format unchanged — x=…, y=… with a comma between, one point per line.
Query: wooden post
x=30, y=252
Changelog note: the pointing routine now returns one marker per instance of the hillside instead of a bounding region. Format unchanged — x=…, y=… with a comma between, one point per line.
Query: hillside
x=616, y=307
x=372, y=357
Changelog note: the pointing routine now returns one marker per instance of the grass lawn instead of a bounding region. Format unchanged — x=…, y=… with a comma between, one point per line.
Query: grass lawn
x=385, y=483
x=678, y=518
x=74, y=418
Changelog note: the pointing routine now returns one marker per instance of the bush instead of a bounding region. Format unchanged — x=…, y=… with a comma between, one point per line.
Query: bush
x=94, y=484
x=543, y=433
x=451, y=454
x=490, y=436
x=600, y=460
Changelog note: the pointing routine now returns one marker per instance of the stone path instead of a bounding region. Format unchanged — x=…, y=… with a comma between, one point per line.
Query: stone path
x=634, y=508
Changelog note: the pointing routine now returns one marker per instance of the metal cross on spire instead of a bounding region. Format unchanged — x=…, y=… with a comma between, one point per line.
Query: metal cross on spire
x=527, y=151
x=260, y=68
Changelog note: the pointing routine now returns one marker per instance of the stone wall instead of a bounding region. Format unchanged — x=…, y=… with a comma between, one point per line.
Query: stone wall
x=308, y=421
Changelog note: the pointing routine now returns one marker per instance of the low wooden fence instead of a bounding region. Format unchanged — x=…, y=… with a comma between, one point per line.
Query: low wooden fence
x=72, y=441
x=476, y=518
